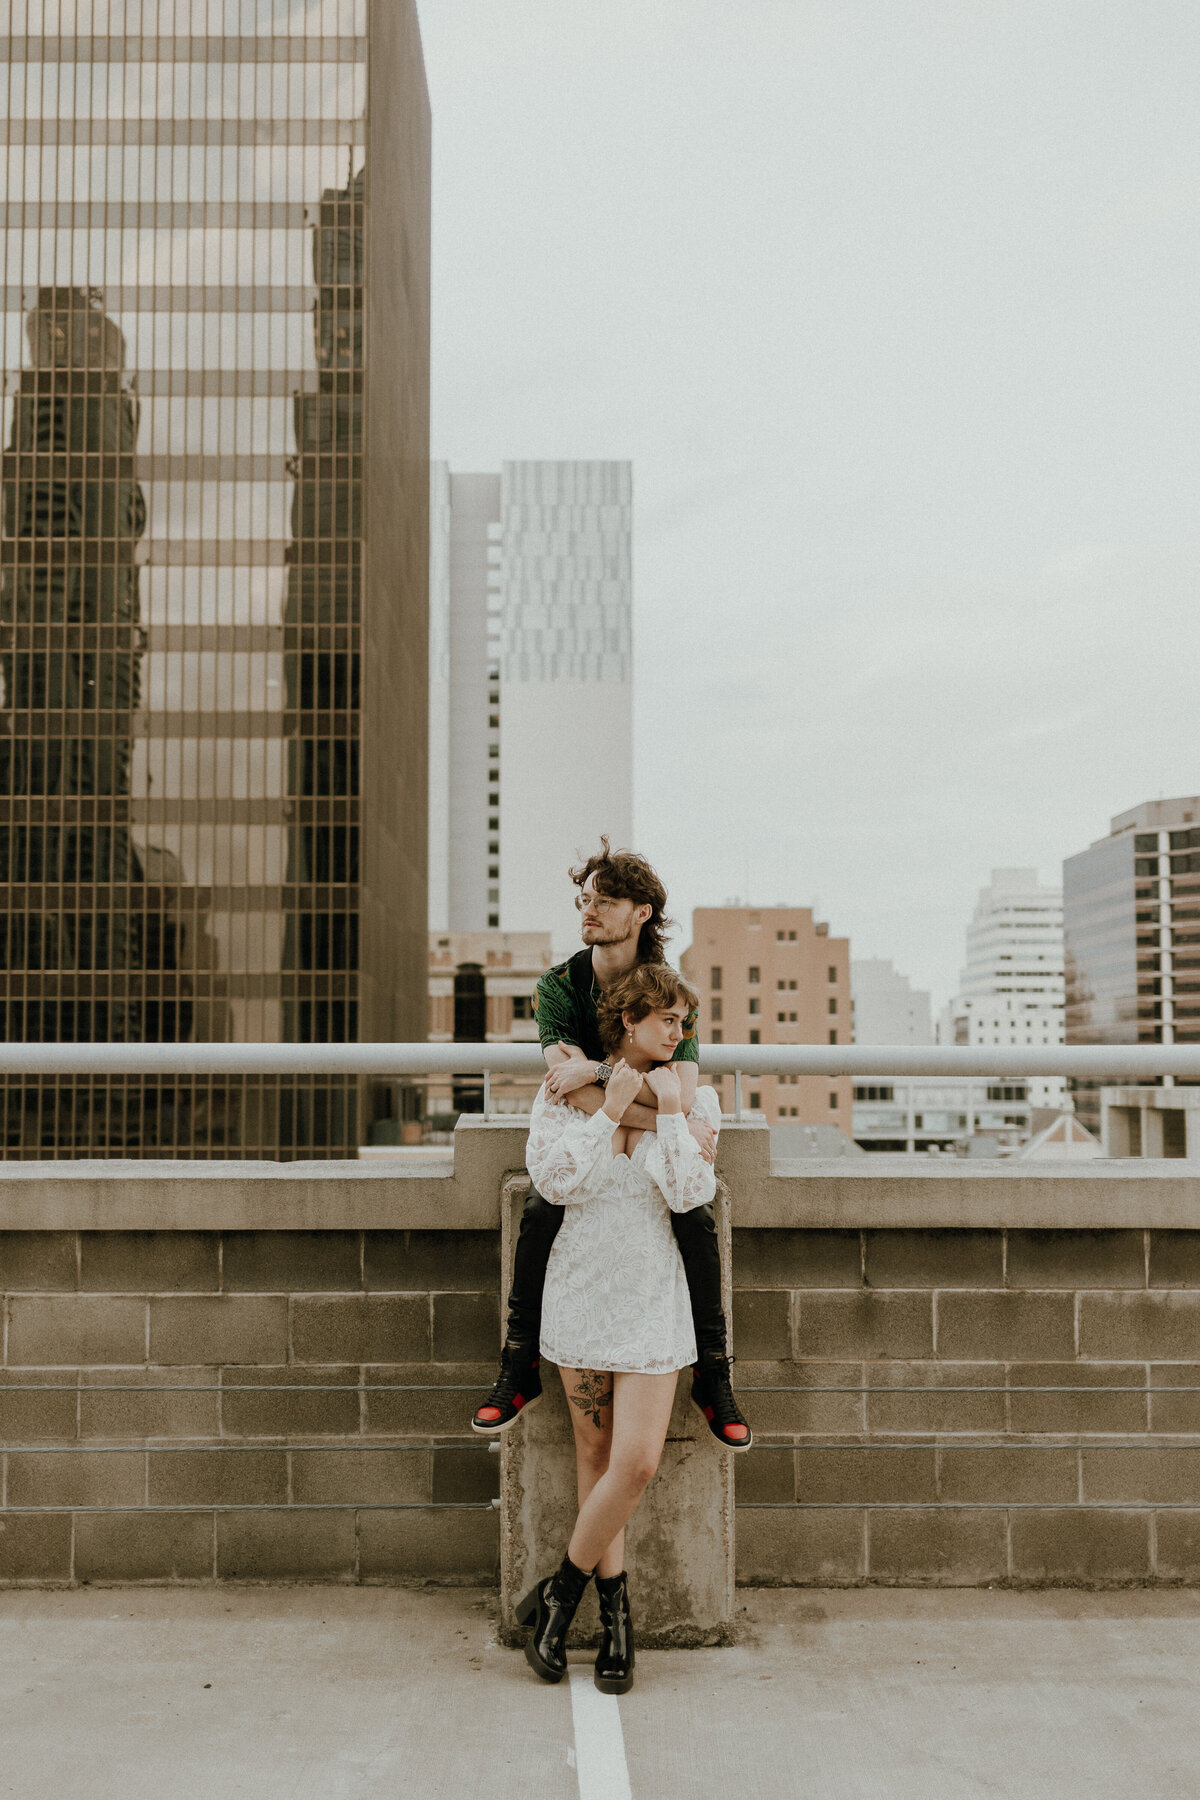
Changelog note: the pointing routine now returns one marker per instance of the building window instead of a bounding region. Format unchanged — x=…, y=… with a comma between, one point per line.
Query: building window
x=780, y=937
x=780, y=986
x=714, y=980
x=832, y=974
x=833, y=1100
x=791, y=987
x=717, y=1037
x=793, y=1019
x=833, y=1003
x=755, y=1004
x=522, y=1006
x=754, y=1037
x=791, y=937
x=493, y=921
x=781, y=1018
x=717, y=1012
x=756, y=1103
x=833, y=1037
x=752, y=977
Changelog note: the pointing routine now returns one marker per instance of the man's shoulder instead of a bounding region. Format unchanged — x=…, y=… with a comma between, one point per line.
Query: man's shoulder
x=559, y=978
x=556, y=987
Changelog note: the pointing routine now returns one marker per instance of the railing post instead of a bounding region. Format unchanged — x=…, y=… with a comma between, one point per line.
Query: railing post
x=737, y=1093
x=487, y=1093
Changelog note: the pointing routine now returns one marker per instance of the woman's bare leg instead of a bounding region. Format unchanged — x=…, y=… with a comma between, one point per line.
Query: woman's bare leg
x=641, y=1411
x=590, y=1403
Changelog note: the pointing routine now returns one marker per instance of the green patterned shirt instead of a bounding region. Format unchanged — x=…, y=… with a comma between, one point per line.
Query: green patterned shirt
x=565, y=1004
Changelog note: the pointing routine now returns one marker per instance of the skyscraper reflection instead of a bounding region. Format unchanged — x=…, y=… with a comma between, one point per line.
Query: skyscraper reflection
x=213, y=574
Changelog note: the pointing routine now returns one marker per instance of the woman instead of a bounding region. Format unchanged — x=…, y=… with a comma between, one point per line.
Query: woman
x=616, y=1315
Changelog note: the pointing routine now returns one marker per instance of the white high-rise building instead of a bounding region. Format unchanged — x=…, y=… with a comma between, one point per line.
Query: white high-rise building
x=887, y=1008
x=531, y=719
x=1012, y=989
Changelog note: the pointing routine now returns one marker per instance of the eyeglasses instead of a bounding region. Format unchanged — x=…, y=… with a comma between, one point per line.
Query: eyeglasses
x=599, y=903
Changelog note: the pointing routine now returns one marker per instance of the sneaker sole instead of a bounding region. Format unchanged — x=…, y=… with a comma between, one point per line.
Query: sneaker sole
x=495, y=1431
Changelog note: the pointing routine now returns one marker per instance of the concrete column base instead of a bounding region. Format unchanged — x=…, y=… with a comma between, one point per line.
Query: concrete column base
x=680, y=1540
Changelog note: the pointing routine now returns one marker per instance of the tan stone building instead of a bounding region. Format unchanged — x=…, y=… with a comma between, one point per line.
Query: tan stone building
x=481, y=988
x=773, y=975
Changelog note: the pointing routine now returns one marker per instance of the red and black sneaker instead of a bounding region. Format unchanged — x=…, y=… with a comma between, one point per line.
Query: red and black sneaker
x=518, y=1386
x=712, y=1392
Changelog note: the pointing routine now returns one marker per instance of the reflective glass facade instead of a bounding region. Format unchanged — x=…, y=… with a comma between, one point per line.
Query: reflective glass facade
x=214, y=562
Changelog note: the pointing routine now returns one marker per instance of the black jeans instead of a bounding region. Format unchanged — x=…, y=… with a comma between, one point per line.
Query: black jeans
x=695, y=1233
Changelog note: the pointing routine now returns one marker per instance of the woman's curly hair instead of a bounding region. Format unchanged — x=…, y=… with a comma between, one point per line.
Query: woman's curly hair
x=646, y=988
x=624, y=875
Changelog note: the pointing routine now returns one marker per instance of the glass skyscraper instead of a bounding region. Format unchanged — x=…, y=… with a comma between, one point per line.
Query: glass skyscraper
x=214, y=563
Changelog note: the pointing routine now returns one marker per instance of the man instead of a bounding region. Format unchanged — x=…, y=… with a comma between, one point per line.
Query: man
x=621, y=903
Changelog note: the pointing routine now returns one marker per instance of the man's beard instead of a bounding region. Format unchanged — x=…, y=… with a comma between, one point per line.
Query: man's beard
x=596, y=942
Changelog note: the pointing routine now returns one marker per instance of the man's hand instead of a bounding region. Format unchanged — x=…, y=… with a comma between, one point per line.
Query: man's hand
x=563, y=1079
x=705, y=1137
x=664, y=1085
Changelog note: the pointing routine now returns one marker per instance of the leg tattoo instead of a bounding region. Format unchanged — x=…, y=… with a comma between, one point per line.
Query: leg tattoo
x=592, y=1392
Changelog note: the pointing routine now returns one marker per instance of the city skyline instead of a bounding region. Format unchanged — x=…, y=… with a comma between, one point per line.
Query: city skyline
x=886, y=307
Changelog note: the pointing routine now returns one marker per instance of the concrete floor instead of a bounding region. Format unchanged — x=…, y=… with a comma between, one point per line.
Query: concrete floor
x=207, y=1694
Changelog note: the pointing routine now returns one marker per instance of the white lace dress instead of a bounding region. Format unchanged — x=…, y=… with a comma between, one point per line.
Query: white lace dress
x=616, y=1296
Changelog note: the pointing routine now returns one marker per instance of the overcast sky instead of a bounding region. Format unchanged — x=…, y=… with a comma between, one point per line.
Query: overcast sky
x=895, y=307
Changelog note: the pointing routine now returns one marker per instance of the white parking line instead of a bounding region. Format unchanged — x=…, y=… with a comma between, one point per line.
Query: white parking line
x=599, y=1741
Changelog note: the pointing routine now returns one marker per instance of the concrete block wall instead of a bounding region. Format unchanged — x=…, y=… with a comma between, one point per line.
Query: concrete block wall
x=997, y=1312
x=992, y=1278
x=208, y=1317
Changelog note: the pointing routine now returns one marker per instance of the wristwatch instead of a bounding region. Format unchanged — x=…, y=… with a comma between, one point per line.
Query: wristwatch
x=603, y=1071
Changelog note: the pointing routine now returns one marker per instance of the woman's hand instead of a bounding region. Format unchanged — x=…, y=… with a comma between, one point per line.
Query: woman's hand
x=664, y=1084
x=622, y=1089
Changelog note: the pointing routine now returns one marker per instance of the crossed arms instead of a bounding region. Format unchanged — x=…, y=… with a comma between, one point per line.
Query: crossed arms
x=576, y=1085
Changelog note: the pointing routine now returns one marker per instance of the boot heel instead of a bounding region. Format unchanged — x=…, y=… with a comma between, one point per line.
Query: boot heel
x=527, y=1608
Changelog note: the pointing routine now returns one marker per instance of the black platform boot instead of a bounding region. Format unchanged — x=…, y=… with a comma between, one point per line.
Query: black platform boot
x=550, y=1608
x=614, y=1664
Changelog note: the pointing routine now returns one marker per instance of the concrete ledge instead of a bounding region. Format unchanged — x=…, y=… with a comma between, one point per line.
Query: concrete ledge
x=849, y=1193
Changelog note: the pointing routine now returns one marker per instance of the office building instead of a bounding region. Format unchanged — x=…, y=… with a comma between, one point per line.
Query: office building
x=906, y=1115
x=887, y=1008
x=214, y=570
x=773, y=975
x=1011, y=990
x=1131, y=913
x=531, y=663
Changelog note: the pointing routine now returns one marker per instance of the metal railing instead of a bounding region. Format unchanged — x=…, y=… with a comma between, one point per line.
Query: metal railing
x=1110, y=1063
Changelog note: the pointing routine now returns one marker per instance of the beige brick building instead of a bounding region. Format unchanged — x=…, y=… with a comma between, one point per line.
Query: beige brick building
x=773, y=975
x=481, y=988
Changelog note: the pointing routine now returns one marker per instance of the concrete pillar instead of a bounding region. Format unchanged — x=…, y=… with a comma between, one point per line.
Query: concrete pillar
x=680, y=1540
x=1152, y=1131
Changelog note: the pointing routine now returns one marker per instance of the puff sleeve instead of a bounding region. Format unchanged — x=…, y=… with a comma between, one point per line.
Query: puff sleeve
x=674, y=1162
x=564, y=1148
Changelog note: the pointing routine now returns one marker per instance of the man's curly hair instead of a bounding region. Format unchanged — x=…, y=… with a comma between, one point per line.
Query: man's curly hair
x=624, y=875
x=646, y=988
